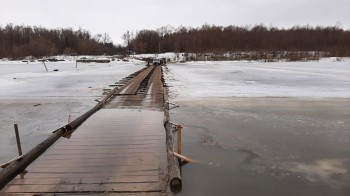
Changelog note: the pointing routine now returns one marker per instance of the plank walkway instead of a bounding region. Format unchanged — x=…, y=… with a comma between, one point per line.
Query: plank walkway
x=151, y=96
x=121, y=149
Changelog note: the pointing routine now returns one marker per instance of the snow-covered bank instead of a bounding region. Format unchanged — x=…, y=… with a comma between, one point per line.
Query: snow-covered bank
x=323, y=79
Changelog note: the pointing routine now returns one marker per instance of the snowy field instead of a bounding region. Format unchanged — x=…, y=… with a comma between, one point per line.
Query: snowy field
x=324, y=79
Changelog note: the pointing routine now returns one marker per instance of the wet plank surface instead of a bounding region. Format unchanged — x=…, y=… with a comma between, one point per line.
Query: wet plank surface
x=119, y=149
x=115, y=150
x=148, y=96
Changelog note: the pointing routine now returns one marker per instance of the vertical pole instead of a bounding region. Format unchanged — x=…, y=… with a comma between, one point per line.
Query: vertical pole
x=45, y=66
x=179, y=143
x=76, y=64
x=18, y=140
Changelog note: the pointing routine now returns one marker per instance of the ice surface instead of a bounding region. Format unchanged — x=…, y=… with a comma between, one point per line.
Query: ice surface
x=323, y=79
x=88, y=79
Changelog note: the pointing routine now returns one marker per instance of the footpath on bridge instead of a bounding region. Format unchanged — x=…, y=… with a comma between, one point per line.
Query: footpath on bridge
x=120, y=149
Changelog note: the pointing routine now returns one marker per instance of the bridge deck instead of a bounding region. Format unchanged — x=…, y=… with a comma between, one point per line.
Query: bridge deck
x=115, y=150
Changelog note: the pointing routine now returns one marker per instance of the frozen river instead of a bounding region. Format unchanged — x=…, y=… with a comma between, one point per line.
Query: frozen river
x=264, y=128
x=325, y=79
x=255, y=128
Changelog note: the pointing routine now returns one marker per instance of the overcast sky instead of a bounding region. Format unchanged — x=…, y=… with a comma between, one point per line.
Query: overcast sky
x=117, y=16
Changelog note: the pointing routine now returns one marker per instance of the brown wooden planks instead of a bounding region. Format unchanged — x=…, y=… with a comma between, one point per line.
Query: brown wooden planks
x=111, y=158
x=76, y=180
x=61, y=188
x=90, y=175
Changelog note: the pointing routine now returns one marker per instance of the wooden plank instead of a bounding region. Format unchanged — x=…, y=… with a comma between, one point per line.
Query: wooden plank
x=85, y=194
x=67, y=188
x=115, y=139
x=114, y=127
x=62, y=157
x=116, y=136
x=92, y=169
x=99, y=161
x=82, y=180
x=112, y=140
x=139, y=136
x=107, y=151
x=91, y=175
x=53, y=165
x=130, y=146
x=112, y=143
x=101, y=156
x=86, y=166
x=119, y=179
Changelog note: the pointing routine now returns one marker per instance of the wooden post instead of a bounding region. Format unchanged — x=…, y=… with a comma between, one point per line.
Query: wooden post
x=179, y=144
x=45, y=67
x=18, y=140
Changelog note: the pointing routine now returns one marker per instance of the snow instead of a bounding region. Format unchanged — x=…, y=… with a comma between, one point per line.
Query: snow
x=88, y=79
x=327, y=78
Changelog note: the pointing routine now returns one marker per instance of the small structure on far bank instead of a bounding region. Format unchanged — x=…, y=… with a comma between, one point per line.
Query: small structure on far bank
x=85, y=60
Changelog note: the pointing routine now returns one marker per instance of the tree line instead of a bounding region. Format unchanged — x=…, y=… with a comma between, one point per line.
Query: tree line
x=217, y=39
x=18, y=41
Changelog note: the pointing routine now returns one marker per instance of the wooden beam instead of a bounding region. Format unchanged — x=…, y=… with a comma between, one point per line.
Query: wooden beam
x=179, y=141
x=175, y=180
x=183, y=157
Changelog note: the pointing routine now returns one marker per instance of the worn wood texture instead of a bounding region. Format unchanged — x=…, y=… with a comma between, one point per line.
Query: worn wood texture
x=127, y=163
x=150, y=96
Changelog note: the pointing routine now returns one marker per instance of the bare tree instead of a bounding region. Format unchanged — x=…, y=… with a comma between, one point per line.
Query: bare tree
x=127, y=37
x=106, y=38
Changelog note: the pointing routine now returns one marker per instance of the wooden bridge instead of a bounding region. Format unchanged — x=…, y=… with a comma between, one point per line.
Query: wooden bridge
x=121, y=149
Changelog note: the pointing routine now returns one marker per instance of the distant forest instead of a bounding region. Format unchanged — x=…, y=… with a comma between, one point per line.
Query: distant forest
x=218, y=39
x=18, y=41
x=21, y=41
